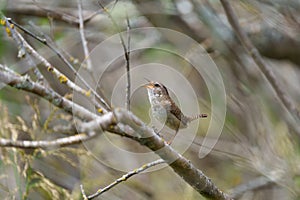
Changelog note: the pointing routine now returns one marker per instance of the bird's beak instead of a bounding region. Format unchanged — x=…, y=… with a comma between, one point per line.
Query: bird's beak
x=149, y=84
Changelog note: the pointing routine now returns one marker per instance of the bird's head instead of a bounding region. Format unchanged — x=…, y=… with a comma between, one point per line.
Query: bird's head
x=156, y=88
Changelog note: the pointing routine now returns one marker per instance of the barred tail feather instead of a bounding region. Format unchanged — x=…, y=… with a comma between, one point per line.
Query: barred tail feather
x=197, y=117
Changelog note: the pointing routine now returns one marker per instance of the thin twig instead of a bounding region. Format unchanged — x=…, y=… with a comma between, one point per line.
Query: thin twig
x=83, y=39
x=69, y=65
x=24, y=83
x=83, y=192
x=246, y=42
x=115, y=24
x=87, y=57
x=127, y=58
x=22, y=50
x=126, y=51
x=60, y=142
x=125, y=177
x=114, y=5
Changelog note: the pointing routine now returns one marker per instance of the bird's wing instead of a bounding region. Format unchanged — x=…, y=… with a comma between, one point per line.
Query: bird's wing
x=177, y=112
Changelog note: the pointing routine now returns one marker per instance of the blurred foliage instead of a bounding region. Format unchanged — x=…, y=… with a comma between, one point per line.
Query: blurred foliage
x=21, y=181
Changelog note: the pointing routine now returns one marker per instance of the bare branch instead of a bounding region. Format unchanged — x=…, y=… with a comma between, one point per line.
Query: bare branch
x=126, y=51
x=232, y=18
x=183, y=167
x=50, y=67
x=60, y=142
x=125, y=177
x=83, y=39
x=83, y=192
x=24, y=83
x=127, y=58
x=62, y=78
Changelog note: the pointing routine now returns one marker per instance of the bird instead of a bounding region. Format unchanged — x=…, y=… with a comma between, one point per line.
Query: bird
x=164, y=108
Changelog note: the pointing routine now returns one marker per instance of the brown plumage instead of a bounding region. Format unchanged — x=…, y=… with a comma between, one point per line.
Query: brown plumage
x=164, y=108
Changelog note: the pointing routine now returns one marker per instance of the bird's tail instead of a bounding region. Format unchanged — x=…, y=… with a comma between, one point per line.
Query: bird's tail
x=197, y=117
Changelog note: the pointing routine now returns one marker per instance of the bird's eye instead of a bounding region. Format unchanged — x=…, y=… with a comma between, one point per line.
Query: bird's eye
x=156, y=85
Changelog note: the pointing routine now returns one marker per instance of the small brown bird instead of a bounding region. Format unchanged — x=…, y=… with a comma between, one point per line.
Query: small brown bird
x=164, y=108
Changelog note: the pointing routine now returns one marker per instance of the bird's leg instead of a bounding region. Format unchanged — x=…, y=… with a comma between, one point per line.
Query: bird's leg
x=158, y=133
x=156, y=130
x=170, y=142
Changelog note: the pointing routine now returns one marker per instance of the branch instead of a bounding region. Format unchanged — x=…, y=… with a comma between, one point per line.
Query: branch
x=22, y=42
x=276, y=44
x=24, y=83
x=127, y=58
x=253, y=52
x=83, y=39
x=291, y=3
x=183, y=167
x=50, y=68
x=123, y=178
x=9, y=77
x=60, y=142
x=126, y=50
x=83, y=193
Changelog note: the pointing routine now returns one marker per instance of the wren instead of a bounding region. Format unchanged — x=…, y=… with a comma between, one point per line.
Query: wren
x=164, y=108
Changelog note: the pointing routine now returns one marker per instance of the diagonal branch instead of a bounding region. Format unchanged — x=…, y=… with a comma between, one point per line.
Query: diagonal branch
x=123, y=178
x=24, y=83
x=19, y=39
x=284, y=98
x=127, y=58
x=125, y=49
x=183, y=167
x=60, y=142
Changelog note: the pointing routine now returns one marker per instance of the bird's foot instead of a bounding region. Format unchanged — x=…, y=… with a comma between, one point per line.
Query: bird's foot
x=156, y=131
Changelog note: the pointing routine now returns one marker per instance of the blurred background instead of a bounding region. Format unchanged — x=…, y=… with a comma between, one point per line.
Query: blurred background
x=257, y=154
